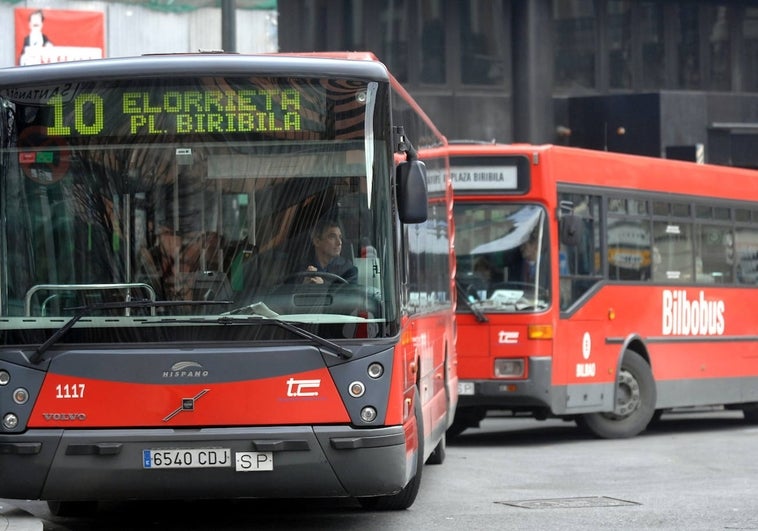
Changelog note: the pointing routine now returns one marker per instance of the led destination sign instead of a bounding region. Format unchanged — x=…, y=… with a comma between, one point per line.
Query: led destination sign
x=288, y=108
x=178, y=112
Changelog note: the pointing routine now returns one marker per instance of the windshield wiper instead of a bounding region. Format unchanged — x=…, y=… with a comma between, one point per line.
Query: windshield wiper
x=89, y=308
x=331, y=347
x=474, y=307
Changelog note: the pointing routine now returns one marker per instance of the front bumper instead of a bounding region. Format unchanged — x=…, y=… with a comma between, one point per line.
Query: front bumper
x=321, y=461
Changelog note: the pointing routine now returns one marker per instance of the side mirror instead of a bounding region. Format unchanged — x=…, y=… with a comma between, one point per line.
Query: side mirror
x=411, y=191
x=571, y=227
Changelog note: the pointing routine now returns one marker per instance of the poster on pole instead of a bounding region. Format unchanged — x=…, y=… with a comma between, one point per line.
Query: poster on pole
x=57, y=35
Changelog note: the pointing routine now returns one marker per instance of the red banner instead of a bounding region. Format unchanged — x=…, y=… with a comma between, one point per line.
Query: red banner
x=55, y=35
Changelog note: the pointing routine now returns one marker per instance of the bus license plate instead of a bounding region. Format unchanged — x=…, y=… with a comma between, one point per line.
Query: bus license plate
x=253, y=461
x=465, y=388
x=187, y=458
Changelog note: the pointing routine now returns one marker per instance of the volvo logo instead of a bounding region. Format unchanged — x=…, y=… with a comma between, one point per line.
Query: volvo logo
x=188, y=404
x=186, y=369
x=65, y=416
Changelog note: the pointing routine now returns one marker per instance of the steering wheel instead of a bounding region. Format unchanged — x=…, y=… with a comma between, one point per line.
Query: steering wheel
x=331, y=277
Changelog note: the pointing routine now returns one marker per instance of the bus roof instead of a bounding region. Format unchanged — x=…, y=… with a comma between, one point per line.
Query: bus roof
x=372, y=58
x=222, y=64
x=620, y=170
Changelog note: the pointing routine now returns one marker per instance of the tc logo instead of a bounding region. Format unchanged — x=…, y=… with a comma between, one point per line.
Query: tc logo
x=303, y=387
x=507, y=337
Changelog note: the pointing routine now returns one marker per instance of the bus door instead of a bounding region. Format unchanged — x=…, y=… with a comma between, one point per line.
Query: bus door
x=583, y=367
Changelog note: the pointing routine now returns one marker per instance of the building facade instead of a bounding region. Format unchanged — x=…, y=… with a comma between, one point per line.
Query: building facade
x=675, y=78
x=135, y=27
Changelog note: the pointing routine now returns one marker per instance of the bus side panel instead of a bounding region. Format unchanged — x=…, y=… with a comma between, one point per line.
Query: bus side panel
x=427, y=357
x=701, y=349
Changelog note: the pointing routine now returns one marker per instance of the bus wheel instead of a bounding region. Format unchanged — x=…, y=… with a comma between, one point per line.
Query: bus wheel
x=750, y=412
x=465, y=418
x=406, y=497
x=635, y=402
x=440, y=451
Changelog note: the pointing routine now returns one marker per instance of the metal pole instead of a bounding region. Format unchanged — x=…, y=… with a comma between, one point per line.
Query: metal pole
x=228, y=25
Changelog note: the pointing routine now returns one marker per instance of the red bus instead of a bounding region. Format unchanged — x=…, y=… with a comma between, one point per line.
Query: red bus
x=602, y=287
x=165, y=331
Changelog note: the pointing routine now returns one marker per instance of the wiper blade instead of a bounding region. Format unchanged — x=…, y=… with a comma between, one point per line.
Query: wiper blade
x=331, y=347
x=478, y=313
x=89, y=308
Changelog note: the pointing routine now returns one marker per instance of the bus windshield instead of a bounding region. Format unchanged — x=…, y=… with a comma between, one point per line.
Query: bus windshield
x=503, y=256
x=205, y=197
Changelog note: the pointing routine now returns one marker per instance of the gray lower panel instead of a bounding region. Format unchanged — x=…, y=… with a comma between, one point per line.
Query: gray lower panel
x=706, y=392
x=533, y=392
x=333, y=461
x=583, y=398
x=670, y=394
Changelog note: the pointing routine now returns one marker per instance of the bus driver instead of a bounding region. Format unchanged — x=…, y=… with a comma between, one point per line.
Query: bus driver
x=325, y=255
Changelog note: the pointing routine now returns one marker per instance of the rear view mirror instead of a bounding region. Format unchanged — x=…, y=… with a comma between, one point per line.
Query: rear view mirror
x=411, y=191
x=571, y=230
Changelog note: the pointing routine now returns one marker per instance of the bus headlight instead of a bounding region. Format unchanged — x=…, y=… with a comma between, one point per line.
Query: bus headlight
x=5, y=377
x=10, y=421
x=368, y=414
x=375, y=370
x=509, y=368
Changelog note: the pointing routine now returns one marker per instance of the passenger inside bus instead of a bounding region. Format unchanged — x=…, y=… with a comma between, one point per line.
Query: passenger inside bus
x=178, y=261
x=529, y=260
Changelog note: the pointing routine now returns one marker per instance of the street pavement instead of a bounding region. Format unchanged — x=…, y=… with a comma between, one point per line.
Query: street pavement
x=14, y=519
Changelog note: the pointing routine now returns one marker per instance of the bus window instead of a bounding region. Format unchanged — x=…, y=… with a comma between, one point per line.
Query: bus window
x=673, y=253
x=629, y=253
x=580, y=264
x=746, y=253
x=503, y=255
x=713, y=262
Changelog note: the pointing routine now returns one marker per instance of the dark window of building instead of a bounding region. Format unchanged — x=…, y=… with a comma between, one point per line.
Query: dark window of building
x=433, y=49
x=393, y=44
x=483, y=42
x=575, y=44
x=355, y=37
x=688, y=46
x=750, y=33
x=620, y=43
x=719, y=48
x=651, y=35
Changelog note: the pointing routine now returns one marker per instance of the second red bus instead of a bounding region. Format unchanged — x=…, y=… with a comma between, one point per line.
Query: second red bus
x=602, y=287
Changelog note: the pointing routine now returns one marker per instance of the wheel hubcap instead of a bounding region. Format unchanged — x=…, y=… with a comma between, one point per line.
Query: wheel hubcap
x=627, y=394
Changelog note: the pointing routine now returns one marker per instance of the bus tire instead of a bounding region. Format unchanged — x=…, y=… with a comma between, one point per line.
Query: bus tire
x=464, y=419
x=750, y=413
x=407, y=495
x=437, y=457
x=635, y=402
